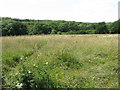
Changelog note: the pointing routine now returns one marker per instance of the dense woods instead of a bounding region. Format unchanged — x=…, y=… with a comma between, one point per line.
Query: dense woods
x=13, y=26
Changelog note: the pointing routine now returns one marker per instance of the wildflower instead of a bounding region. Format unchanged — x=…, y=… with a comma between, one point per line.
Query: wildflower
x=16, y=73
x=19, y=85
x=46, y=63
x=36, y=86
x=36, y=66
x=29, y=71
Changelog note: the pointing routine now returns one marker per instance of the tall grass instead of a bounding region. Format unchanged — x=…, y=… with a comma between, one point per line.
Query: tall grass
x=60, y=61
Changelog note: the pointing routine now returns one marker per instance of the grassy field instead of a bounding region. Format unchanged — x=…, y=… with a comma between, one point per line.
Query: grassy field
x=60, y=61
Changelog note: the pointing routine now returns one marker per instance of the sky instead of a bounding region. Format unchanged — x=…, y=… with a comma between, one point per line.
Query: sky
x=69, y=10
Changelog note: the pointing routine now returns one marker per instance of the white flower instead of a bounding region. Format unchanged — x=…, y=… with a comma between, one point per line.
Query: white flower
x=46, y=63
x=16, y=73
x=29, y=71
x=36, y=86
x=19, y=85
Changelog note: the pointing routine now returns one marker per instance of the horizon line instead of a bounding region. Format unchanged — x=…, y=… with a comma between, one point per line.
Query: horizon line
x=55, y=20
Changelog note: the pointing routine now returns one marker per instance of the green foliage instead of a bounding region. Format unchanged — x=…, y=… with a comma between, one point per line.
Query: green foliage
x=30, y=80
x=118, y=26
x=36, y=27
x=70, y=60
x=26, y=79
x=114, y=27
x=14, y=28
x=53, y=32
x=71, y=32
x=101, y=28
x=59, y=32
x=60, y=61
x=39, y=28
x=17, y=28
x=90, y=31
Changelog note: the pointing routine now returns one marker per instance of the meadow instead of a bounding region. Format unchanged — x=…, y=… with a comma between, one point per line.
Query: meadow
x=60, y=61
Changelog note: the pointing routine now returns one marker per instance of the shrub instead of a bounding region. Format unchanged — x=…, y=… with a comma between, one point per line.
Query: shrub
x=59, y=32
x=69, y=60
x=53, y=31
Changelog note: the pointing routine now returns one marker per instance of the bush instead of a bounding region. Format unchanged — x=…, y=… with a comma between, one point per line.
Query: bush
x=70, y=61
x=53, y=31
x=72, y=32
x=59, y=32
x=90, y=31
x=33, y=77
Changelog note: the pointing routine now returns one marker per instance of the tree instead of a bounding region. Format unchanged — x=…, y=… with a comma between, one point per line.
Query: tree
x=14, y=26
x=17, y=28
x=119, y=26
x=114, y=27
x=101, y=28
x=40, y=28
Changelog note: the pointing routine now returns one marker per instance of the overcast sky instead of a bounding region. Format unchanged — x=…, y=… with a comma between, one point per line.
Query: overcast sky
x=70, y=10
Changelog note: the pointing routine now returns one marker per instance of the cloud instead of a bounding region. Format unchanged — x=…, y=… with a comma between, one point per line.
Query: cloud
x=76, y=10
x=95, y=10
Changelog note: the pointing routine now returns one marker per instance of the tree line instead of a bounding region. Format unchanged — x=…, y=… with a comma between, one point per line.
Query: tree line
x=13, y=26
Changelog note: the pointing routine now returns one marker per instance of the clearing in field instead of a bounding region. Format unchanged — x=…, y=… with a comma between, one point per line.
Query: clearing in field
x=60, y=61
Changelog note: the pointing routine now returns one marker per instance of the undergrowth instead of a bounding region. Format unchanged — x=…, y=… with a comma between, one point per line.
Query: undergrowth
x=60, y=61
